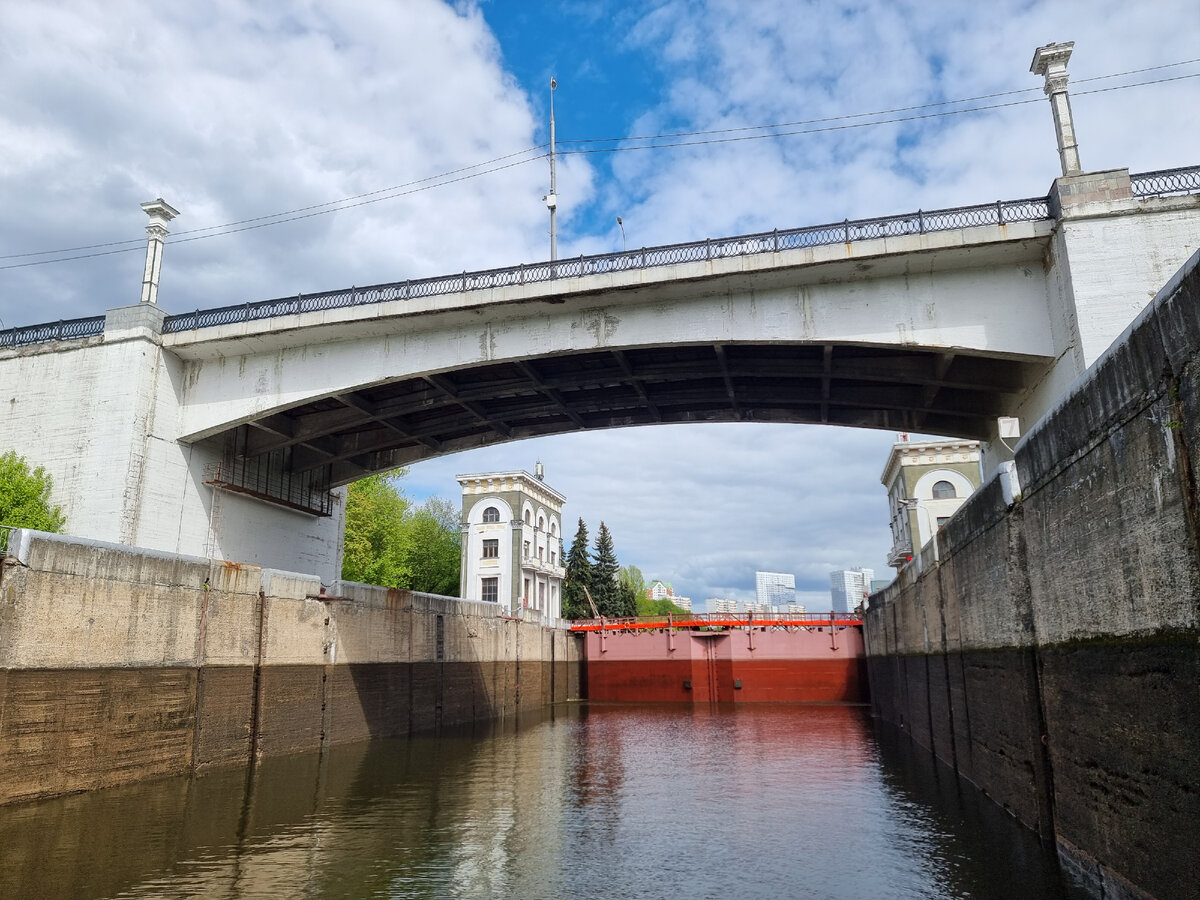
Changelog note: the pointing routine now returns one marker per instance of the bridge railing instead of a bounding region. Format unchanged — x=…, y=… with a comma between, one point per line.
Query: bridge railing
x=1163, y=182
x=848, y=231
x=1166, y=181
x=62, y=330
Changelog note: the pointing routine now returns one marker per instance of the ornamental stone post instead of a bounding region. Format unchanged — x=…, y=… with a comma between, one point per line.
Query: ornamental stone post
x=160, y=213
x=1051, y=61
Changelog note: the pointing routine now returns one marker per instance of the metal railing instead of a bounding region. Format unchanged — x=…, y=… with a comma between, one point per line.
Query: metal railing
x=62, y=330
x=1164, y=182
x=5, y=532
x=848, y=231
x=721, y=621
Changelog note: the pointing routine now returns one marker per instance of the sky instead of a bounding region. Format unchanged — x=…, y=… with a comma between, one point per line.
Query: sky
x=402, y=139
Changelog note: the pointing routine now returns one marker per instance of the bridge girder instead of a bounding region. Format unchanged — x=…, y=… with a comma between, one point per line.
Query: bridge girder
x=395, y=423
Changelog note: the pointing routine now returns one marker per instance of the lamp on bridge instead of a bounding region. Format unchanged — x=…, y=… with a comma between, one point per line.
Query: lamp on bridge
x=160, y=213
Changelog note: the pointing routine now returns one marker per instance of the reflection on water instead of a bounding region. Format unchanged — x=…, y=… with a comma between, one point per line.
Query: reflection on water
x=599, y=801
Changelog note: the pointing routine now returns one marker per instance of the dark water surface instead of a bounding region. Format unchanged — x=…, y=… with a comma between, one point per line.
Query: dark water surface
x=589, y=801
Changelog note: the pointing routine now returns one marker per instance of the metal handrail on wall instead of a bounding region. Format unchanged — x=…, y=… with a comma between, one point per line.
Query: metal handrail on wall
x=1164, y=182
x=62, y=330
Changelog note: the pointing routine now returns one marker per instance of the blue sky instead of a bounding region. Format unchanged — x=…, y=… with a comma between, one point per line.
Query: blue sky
x=233, y=110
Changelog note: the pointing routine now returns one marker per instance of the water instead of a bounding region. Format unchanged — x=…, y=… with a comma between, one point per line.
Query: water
x=589, y=801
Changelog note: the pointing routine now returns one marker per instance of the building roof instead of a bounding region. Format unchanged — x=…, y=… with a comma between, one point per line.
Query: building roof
x=927, y=453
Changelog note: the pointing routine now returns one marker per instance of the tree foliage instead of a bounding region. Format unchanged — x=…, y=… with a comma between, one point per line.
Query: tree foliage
x=434, y=547
x=391, y=543
x=25, y=496
x=579, y=576
x=373, y=550
x=661, y=607
x=610, y=599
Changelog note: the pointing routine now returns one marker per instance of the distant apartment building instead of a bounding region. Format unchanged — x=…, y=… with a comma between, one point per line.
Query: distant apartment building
x=719, y=605
x=927, y=482
x=850, y=588
x=512, y=542
x=660, y=590
x=774, y=589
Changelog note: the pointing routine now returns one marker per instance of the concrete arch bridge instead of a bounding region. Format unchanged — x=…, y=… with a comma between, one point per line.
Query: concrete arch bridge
x=227, y=432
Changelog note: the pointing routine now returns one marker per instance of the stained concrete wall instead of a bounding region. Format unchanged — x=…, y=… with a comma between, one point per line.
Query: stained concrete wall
x=1052, y=654
x=118, y=664
x=101, y=416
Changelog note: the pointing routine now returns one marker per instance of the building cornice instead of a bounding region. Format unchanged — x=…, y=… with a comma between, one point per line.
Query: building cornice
x=520, y=480
x=909, y=453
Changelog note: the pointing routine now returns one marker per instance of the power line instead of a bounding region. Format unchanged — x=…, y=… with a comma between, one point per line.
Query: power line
x=850, y=125
x=882, y=112
x=465, y=173
x=281, y=218
x=330, y=206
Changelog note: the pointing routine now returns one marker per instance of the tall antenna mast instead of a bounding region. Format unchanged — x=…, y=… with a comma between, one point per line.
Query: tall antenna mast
x=552, y=198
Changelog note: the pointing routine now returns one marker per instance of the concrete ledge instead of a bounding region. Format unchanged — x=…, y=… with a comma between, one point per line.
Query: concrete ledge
x=396, y=598
x=289, y=585
x=62, y=554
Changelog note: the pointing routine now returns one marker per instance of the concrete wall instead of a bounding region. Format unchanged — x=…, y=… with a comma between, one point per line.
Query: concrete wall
x=1052, y=656
x=119, y=664
x=102, y=416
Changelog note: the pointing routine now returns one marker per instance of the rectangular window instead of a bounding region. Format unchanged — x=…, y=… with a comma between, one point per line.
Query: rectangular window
x=553, y=557
x=491, y=548
x=527, y=549
x=490, y=590
x=526, y=595
x=541, y=553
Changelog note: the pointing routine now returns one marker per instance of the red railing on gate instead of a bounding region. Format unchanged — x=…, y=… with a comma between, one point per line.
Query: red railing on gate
x=714, y=621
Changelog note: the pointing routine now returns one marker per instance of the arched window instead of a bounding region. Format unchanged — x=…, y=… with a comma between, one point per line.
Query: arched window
x=491, y=514
x=528, y=517
x=944, y=490
x=554, y=528
x=541, y=524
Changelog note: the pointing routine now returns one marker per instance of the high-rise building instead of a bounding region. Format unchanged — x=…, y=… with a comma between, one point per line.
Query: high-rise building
x=774, y=588
x=512, y=542
x=927, y=482
x=850, y=588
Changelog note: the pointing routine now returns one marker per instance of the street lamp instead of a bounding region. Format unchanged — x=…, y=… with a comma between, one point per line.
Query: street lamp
x=919, y=505
x=622, y=224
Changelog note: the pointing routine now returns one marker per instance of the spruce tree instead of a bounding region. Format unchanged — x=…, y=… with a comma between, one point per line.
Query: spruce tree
x=605, y=590
x=579, y=575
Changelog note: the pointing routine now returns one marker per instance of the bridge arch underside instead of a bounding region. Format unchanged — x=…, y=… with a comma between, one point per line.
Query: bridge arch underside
x=340, y=438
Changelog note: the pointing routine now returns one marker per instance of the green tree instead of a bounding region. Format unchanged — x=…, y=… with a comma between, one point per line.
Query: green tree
x=663, y=607
x=25, y=496
x=432, y=547
x=374, y=551
x=579, y=575
x=605, y=589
